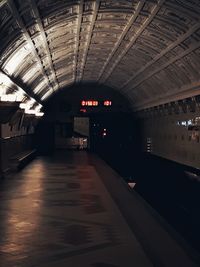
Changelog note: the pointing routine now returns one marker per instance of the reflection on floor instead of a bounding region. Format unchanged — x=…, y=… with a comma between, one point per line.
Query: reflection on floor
x=57, y=212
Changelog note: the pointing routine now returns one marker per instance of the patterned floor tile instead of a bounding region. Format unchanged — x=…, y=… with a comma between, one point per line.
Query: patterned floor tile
x=56, y=212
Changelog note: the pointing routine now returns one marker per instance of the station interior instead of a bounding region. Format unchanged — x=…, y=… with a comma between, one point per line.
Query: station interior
x=100, y=133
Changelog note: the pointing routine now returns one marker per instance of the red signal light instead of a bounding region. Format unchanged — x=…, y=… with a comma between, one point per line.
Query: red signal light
x=107, y=103
x=83, y=103
x=89, y=103
x=83, y=110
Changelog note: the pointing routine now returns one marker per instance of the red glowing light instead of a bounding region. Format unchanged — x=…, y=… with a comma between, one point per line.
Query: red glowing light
x=104, y=132
x=89, y=103
x=95, y=103
x=83, y=110
x=107, y=103
x=83, y=103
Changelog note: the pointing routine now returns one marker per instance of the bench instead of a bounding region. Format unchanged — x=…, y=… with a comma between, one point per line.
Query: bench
x=19, y=160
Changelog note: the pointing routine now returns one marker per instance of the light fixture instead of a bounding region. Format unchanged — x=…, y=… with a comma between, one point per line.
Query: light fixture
x=8, y=98
x=39, y=114
x=18, y=95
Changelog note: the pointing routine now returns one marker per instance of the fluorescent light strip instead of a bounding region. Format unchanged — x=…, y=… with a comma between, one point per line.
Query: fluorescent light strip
x=18, y=95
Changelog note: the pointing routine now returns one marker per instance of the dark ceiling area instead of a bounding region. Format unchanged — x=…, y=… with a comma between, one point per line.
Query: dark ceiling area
x=70, y=100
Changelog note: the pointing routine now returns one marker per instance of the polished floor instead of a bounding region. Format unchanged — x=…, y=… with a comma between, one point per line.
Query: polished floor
x=67, y=211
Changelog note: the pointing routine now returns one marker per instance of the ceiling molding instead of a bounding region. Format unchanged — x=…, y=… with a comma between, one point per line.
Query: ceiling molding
x=122, y=36
x=134, y=37
x=164, y=52
x=80, y=15
x=170, y=62
x=84, y=54
x=148, y=50
x=186, y=92
x=45, y=43
x=18, y=19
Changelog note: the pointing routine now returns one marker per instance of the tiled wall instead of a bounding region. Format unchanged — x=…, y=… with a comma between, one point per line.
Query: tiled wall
x=173, y=137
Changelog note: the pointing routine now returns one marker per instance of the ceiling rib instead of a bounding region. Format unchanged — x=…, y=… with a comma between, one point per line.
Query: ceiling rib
x=95, y=13
x=45, y=43
x=28, y=38
x=124, y=33
x=147, y=50
x=2, y=2
x=78, y=37
x=134, y=37
x=164, y=52
x=186, y=92
x=183, y=54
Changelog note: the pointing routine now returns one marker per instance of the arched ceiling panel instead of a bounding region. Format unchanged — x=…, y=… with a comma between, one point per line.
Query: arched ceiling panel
x=149, y=50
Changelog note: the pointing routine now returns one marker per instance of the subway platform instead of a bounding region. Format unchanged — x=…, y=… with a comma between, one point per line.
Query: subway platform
x=73, y=210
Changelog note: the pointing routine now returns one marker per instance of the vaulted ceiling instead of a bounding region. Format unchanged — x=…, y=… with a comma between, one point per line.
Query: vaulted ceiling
x=149, y=50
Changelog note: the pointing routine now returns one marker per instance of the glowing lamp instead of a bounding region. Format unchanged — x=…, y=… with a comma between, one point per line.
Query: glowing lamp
x=107, y=103
x=83, y=110
x=89, y=103
x=39, y=114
